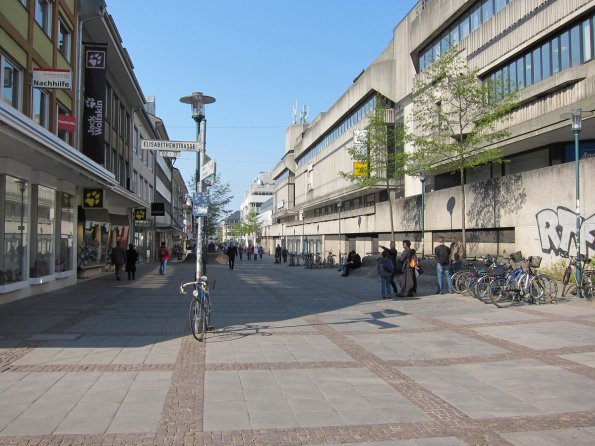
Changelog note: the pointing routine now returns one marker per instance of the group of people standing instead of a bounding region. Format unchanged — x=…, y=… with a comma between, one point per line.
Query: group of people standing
x=406, y=265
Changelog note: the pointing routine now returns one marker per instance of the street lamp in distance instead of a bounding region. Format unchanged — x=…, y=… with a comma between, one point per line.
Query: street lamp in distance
x=422, y=178
x=576, y=116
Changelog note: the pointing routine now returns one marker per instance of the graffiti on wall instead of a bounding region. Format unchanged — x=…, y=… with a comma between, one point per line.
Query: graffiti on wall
x=557, y=231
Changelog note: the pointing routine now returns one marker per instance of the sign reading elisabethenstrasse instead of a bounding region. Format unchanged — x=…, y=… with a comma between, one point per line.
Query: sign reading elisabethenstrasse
x=171, y=146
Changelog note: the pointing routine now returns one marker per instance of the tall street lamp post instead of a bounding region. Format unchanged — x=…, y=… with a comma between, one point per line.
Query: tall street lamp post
x=339, y=207
x=422, y=178
x=576, y=115
x=198, y=101
x=302, y=241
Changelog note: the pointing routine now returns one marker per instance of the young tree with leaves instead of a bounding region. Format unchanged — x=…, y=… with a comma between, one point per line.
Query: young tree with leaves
x=456, y=120
x=219, y=197
x=250, y=224
x=378, y=154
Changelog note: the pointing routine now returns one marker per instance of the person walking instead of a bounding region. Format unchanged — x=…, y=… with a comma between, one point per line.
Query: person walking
x=284, y=254
x=231, y=255
x=260, y=251
x=442, y=266
x=249, y=251
x=384, y=267
x=131, y=259
x=278, y=254
x=408, y=279
x=240, y=251
x=118, y=258
x=392, y=255
x=163, y=255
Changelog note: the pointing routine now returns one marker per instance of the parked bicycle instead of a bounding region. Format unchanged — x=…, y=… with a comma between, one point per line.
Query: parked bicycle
x=586, y=284
x=199, y=314
x=523, y=284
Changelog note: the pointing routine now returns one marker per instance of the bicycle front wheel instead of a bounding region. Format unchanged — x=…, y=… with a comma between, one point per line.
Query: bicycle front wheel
x=500, y=293
x=588, y=286
x=543, y=288
x=197, y=319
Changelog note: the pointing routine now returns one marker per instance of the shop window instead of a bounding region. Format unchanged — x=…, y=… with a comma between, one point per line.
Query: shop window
x=64, y=253
x=10, y=78
x=94, y=247
x=42, y=260
x=13, y=263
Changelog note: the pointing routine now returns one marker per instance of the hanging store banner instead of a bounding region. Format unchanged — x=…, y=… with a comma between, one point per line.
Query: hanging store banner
x=61, y=79
x=94, y=103
x=92, y=198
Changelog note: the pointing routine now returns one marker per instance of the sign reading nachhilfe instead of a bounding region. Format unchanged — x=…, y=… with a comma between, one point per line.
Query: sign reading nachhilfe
x=178, y=146
x=51, y=79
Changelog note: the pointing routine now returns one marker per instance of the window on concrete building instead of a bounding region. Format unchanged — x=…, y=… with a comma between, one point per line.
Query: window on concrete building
x=11, y=79
x=41, y=107
x=527, y=161
x=64, y=39
x=43, y=15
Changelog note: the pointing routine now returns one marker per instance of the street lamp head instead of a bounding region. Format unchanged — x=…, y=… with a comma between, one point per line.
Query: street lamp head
x=339, y=203
x=576, y=116
x=198, y=101
x=422, y=177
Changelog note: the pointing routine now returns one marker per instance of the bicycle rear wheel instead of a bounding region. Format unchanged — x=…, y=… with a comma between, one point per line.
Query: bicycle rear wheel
x=500, y=293
x=197, y=317
x=589, y=286
x=482, y=288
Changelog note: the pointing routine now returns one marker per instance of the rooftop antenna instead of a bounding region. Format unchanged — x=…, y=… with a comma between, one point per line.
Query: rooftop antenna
x=304, y=115
x=294, y=113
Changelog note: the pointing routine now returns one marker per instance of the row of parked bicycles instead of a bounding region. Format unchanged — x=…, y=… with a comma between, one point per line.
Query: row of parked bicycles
x=314, y=260
x=518, y=281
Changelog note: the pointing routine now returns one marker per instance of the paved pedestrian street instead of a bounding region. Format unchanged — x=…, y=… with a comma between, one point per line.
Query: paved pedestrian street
x=298, y=357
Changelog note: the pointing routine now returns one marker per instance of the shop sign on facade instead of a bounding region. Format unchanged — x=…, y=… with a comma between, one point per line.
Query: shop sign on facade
x=140, y=214
x=92, y=198
x=61, y=79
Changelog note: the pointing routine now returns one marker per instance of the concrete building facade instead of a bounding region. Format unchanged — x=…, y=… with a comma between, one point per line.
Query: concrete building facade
x=527, y=203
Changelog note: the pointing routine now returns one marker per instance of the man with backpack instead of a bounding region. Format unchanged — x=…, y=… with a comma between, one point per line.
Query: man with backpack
x=442, y=253
x=163, y=255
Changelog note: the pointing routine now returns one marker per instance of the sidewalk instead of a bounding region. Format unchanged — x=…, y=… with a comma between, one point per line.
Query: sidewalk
x=299, y=357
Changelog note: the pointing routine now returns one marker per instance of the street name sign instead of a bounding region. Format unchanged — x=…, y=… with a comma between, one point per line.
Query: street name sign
x=177, y=146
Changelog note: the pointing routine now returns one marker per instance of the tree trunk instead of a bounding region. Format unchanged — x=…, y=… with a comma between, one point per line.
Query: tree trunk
x=463, y=237
x=390, y=210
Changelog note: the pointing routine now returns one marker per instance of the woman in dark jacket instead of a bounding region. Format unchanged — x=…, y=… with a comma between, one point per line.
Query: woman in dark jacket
x=408, y=279
x=131, y=258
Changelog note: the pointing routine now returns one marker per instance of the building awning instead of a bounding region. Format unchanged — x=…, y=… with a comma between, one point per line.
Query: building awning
x=169, y=228
x=101, y=215
x=120, y=220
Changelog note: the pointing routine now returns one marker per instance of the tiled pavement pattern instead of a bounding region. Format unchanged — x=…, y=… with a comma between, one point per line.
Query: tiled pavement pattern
x=299, y=357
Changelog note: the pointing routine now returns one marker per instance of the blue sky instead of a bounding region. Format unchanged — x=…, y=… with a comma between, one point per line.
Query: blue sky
x=257, y=58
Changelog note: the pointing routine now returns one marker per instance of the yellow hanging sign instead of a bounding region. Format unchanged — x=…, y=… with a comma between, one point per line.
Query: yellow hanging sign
x=360, y=169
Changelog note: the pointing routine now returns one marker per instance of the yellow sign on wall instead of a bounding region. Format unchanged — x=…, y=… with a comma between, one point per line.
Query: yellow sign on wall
x=360, y=168
x=92, y=198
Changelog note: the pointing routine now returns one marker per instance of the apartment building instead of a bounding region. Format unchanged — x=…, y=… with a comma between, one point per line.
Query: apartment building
x=545, y=48
x=72, y=116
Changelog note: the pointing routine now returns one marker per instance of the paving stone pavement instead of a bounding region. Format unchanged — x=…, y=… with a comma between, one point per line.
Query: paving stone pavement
x=298, y=357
